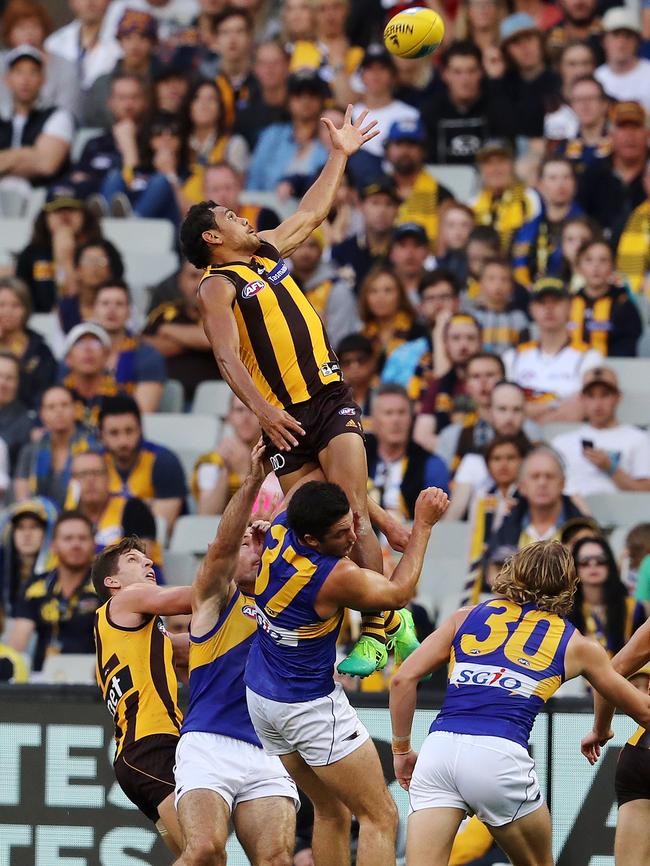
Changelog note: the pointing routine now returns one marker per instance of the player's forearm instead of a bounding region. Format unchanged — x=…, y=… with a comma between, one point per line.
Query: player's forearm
x=603, y=714
x=402, y=701
x=406, y=575
x=319, y=198
x=239, y=379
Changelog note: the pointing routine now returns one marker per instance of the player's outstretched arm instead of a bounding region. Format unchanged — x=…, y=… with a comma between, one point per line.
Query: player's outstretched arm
x=319, y=198
x=216, y=296
x=428, y=657
x=626, y=662
x=363, y=589
x=147, y=598
x=212, y=583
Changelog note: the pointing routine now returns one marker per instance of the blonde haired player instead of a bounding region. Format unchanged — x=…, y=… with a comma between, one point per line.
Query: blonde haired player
x=506, y=657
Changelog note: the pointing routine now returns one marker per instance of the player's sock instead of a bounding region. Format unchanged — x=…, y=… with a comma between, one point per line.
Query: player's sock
x=392, y=623
x=367, y=656
x=372, y=625
x=402, y=638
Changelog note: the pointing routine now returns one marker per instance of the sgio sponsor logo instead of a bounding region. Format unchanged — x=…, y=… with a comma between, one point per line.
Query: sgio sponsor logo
x=465, y=674
x=281, y=636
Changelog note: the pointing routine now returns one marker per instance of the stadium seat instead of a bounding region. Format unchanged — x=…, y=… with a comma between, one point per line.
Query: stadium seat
x=550, y=431
x=461, y=180
x=192, y=533
x=283, y=207
x=188, y=458
x=173, y=397
x=626, y=508
x=68, y=668
x=445, y=564
x=81, y=139
x=49, y=327
x=139, y=235
x=634, y=408
x=14, y=233
x=212, y=398
x=174, y=429
x=617, y=540
x=180, y=568
x=633, y=373
x=144, y=270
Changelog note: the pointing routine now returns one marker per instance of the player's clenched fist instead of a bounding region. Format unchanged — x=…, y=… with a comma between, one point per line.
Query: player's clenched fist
x=431, y=505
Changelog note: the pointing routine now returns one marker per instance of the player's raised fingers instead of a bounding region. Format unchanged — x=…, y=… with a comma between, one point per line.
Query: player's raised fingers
x=360, y=119
x=348, y=114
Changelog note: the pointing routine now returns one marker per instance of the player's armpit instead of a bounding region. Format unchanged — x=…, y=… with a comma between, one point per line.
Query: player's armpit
x=152, y=599
x=292, y=231
x=596, y=667
x=360, y=589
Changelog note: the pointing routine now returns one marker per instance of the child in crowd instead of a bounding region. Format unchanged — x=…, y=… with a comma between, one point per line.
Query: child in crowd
x=503, y=325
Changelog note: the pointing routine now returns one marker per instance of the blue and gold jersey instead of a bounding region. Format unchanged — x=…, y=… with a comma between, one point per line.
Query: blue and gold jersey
x=506, y=662
x=293, y=657
x=217, y=661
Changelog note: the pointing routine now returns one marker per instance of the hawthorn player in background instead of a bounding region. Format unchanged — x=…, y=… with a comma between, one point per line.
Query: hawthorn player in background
x=272, y=349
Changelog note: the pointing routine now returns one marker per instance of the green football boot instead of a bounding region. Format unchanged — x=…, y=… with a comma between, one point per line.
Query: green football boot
x=367, y=656
x=404, y=641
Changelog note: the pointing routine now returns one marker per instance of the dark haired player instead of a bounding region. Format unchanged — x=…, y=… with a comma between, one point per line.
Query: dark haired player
x=273, y=351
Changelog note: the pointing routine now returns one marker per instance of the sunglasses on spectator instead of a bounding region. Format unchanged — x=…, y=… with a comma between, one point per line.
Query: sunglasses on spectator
x=593, y=560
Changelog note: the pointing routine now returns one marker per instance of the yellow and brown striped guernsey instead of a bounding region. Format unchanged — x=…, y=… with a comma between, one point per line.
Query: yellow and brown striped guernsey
x=283, y=343
x=135, y=674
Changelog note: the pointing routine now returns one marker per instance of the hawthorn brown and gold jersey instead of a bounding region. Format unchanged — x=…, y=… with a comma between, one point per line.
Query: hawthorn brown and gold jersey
x=283, y=343
x=135, y=674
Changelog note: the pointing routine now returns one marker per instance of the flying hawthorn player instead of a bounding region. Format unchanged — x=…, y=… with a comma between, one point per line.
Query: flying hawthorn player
x=274, y=352
x=136, y=676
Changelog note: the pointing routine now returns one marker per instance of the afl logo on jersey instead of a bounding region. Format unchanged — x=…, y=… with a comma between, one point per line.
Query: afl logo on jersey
x=252, y=289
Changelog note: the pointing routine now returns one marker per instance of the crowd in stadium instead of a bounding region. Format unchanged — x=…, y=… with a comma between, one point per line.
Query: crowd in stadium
x=471, y=313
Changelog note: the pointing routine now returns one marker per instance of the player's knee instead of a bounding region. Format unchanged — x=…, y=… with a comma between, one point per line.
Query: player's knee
x=204, y=852
x=383, y=820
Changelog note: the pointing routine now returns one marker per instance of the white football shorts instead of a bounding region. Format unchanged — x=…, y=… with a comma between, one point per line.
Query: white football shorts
x=322, y=731
x=490, y=777
x=236, y=770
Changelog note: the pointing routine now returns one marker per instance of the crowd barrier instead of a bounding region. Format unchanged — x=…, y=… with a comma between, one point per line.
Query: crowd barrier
x=60, y=805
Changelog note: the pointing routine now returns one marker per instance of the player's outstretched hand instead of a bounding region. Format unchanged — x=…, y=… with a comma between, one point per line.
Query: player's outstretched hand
x=431, y=505
x=404, y=766
x=351, y=136
x=281, y=428
x=257, y=470
x=591, y=745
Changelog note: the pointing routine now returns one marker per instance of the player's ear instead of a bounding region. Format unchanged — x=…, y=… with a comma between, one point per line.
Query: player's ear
x=211, y=237
x=112, y=583
x=310, y=541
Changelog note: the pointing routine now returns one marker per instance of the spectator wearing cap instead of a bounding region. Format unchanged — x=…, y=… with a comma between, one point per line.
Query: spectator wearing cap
x=550, y=369
x=16, y=421
x=503, y=323
x=137, y=36
x=43, y=467
x=138, y=468
x=233, y=42
x=504, y=202
x=409, y=256
x=602, y=312
x=612, y=187
x=443, y=399
x=88, y=41
x=329, y=294
x=580, y=23
x=591, y=140
x=128, y=104
x=37, y=364
x=386, y=313
x=174, y=328
x=576, y=60
x=292, y=150
x=24, y=551
x=269, y=106
x=46, y=264
x=95, y=262
x=28, y=22
x=136, y=365
x=34, y=142
x=463, y=115
x=603, y=455
x=624, y=75
x=206, y=137
x=363, y=251
x=59, y=606
x=379, y=79
x=331, y=52
x=419, y=190
x=633, y=252
x=359, y=368
x=85, y=354
x=536, y=250
x=529, y=85
x=398, y=468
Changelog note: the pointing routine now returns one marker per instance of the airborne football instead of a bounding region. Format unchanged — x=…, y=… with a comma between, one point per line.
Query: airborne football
x=414, y=32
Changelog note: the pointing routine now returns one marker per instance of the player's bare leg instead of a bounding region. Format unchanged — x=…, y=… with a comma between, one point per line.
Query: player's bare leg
x=168, y=826
x=632, y=844
x=203, y=817
x=266, y=829
x=358, y=781
x=430, y=836
x=527, y=841
x=344, y=463
x=330, y=842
